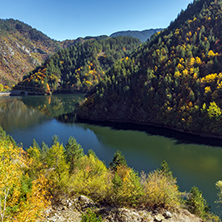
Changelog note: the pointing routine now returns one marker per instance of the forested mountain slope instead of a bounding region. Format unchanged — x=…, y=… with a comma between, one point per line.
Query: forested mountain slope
x=175, y=80
x=143, y=36
x=80, y=66
x=22, y=48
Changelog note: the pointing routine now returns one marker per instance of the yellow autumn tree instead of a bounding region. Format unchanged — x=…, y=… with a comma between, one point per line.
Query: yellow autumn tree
x=91, y=178
x=212, y=54
x=10, y=174
x=21, y=198
x=36, y=201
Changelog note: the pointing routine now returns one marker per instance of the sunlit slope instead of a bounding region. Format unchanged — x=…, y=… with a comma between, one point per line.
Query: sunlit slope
x=173, y=81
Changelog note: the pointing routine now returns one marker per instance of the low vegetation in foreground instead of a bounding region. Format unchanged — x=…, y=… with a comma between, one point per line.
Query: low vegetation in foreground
x=31, y=180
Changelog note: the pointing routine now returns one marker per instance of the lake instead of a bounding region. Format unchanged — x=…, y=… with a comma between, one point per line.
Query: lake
x=195, y=161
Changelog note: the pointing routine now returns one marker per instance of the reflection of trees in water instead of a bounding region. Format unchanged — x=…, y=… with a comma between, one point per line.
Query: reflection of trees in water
x=15, y=114
x=67, y=118
x=55, y=105
x=152, y=146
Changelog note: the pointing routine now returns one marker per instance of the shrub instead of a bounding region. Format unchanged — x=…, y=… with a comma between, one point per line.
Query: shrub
x=161, y=190
x=90, y=216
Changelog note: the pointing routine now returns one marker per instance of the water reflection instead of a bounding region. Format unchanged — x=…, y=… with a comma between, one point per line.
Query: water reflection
x=15, y=114
x=178, y=137
x=55, y=105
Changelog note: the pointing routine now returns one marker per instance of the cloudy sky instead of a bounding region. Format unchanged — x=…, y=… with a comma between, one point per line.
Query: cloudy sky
x=70, y=19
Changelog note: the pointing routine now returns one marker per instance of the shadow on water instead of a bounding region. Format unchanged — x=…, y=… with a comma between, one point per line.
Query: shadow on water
x=62, y=108
x=179, y=137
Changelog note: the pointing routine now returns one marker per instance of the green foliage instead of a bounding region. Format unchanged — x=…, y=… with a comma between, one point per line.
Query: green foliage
x=79, y=67
x=34, y=152
x=91, y=178
x=126, y=189
x=167, y=80
x=219, y=187
x=118, y=160
x=22, y=197
x=165, y=168
x=56, y=163
x=92, y=153
x=214, y=112
x=73, y=152
x=197, y=204
x=90, y=216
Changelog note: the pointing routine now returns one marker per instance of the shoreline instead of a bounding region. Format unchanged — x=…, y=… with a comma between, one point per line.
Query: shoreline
x=138, y=125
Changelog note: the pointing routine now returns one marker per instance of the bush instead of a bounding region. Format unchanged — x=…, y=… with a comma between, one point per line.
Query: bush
x=90, y=216
x=160, y=190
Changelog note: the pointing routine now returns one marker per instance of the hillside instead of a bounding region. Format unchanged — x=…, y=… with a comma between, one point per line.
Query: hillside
x=174, y=80
x=79, y=67
x=141, y=35
x=22, y=48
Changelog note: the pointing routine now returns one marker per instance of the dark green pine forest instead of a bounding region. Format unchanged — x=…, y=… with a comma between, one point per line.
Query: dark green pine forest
x=174, y=80
x=79, y=67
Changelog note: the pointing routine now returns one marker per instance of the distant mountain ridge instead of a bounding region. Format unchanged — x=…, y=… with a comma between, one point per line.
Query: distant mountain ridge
x=141, y=35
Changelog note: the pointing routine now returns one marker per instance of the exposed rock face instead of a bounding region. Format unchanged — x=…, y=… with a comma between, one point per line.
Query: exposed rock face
x=22, y=48
x=72, y=209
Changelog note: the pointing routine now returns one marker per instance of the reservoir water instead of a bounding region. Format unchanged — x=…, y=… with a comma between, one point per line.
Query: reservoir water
x=195, y=161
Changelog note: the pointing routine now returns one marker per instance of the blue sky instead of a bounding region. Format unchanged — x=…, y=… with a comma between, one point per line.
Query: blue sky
x=69, y=19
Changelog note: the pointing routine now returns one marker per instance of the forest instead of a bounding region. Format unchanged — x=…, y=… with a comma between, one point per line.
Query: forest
x=174, y=80
x=79, y=67
x=40, y=175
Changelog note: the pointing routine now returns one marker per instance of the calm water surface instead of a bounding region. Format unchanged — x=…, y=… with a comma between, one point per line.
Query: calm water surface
x=194, y=161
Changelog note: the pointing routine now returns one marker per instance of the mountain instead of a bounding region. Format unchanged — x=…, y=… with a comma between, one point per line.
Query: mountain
x=141, y=35
x=22, y=48
x=173, y=81
x=78, y=67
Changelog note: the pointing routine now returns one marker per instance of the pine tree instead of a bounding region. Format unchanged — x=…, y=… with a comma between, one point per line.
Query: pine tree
x=73, y=152
x=118, y=159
